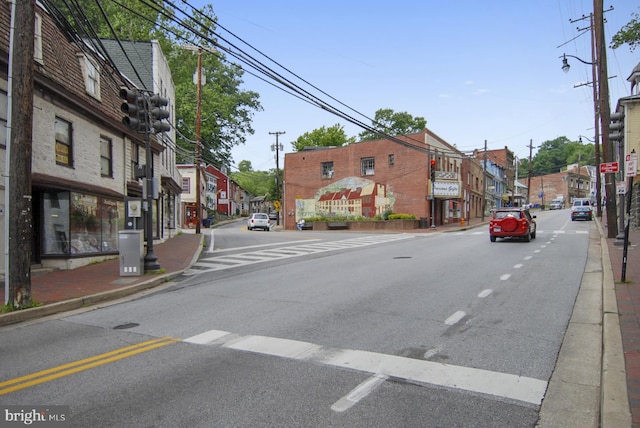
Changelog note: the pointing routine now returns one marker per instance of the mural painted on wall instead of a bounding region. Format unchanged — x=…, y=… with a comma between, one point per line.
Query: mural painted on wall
x=349, y=197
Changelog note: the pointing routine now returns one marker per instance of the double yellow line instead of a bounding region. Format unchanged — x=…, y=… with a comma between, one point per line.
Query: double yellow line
x=43, y=376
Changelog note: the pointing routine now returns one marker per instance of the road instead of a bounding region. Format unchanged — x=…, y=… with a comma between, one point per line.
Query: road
x=297, y=329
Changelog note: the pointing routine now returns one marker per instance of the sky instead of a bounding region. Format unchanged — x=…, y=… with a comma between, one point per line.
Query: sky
x=475, y=70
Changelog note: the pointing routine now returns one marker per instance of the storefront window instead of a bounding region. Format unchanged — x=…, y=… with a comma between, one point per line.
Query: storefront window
x=94, y=224
x=55, y=236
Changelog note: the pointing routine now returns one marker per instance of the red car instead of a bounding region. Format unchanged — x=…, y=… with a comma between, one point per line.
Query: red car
x=512, y=223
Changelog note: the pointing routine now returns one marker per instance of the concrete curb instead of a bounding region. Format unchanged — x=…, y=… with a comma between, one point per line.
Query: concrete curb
x=80, y=302
x=615, y=411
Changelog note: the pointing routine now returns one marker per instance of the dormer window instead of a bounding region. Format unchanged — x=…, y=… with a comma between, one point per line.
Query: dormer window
x=91, y=75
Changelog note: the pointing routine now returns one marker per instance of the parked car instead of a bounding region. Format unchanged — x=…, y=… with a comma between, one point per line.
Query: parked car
x=556, y=205
x=273, y=215
x=259, y=221
x=584, y=212
x=512, y=223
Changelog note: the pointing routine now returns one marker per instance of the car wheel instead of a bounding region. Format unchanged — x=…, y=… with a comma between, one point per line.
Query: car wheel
x=533, y=235
x=492, y=238
x=527, y=237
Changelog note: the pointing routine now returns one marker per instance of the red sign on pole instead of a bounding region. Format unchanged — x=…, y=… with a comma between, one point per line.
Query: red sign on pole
x=608, y=167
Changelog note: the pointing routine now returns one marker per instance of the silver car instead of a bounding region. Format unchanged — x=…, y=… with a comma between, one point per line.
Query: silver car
x=259, y=221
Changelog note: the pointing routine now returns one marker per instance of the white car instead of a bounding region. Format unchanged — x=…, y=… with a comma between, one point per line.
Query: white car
x=259, y=221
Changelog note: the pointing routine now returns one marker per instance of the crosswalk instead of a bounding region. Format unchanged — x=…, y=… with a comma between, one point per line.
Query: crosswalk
x=216, y=262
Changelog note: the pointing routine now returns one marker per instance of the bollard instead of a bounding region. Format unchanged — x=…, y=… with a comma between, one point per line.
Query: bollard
x=462, y=221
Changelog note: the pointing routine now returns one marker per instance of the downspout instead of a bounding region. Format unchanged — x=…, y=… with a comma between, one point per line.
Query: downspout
x=8, y=154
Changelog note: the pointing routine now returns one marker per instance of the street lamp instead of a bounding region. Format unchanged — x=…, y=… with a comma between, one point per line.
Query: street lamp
x=565, y=62
x=596, y=117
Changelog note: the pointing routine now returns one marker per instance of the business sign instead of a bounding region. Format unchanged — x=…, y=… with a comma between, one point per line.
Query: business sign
x=446, y=188
x=608, y=167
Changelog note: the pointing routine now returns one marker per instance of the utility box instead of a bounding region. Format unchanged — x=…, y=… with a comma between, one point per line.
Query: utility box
x=131, y=245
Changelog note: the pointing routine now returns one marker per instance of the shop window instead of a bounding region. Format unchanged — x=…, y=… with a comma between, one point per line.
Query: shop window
x=55, y=223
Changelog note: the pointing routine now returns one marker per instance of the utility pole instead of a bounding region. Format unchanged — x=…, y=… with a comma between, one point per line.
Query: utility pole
x=484, y=180
x=277, y=149
x=596, y=109
x=18, y=268
x=197, y=160
x=605, y=116
x=530, y=171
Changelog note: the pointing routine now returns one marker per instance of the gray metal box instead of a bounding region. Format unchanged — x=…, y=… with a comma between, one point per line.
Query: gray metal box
x=131, y=246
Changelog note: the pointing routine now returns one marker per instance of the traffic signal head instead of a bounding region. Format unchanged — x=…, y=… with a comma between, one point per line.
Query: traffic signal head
x=135, y=108
x=616, y=127
x=433, y=169
x=158, y=114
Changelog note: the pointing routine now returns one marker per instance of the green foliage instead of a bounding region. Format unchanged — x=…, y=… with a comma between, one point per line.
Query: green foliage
x=257, y=182
x=402, y=217
x=388, y=216
x=628, y=35
x=554, y=156
x=391, y=123
x=11, y=308
x=334, y=136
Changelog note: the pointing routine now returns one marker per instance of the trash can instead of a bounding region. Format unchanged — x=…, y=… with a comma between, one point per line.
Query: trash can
x=131, y=246
x=206, y=222
x=424, y=222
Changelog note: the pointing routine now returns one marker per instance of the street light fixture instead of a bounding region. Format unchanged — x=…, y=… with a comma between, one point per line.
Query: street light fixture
x=565, y=62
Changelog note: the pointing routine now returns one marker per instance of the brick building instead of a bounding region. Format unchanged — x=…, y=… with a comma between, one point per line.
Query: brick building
x=371, y=178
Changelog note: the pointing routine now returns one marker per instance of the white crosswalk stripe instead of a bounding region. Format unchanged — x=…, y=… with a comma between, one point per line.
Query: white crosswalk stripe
x=215, y=263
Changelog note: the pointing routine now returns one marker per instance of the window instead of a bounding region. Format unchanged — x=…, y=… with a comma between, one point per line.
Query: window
x=392, y=159
x=186, y=185
x=106, y=164
x=367, y=166
x=327, y=169
x=3, y=120
x=37, y=40
x=91, y=75
x=135, y=156
x=64, y=146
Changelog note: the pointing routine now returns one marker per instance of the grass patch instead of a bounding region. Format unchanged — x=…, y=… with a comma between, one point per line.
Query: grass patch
x=10, y=308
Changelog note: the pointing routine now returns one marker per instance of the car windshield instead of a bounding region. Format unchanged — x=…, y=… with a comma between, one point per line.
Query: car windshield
x=505, y=214
x=262, y=216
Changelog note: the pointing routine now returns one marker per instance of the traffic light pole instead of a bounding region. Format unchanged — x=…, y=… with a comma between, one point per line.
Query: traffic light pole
x=150, y=259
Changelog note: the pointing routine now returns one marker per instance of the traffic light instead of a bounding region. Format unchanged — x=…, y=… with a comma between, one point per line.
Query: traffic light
x=616, y=127
x=433, y=169
x=135, y=108
x=158, y=114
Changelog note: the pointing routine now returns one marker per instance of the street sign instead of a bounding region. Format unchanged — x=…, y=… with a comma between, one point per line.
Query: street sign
x=631, y=164
x=608, y=167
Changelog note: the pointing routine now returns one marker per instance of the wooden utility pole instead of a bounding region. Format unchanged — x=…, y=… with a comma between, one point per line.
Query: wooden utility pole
x=530, y=171
x=20, y=206
x=277, y=150
x=605, y=115
x=198, y=113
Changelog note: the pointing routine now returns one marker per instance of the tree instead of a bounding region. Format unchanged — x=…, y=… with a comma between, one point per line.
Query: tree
x=245, y=166
x=629, y=34
x=388, y=122
x=334, y=136
x=554, y=156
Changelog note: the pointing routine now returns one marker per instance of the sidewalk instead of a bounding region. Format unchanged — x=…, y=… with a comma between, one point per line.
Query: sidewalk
x=628, y=301
x=61, y=291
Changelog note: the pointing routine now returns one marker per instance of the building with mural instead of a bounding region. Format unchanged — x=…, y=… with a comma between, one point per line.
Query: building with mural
x=371, y=178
